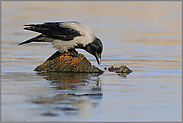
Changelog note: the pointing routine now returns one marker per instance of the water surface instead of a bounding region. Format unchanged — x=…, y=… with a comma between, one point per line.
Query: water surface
x=145, y=36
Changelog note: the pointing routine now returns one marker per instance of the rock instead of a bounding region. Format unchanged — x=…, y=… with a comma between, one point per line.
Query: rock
x=121, y=69
x=67, y=63
x=112, y=69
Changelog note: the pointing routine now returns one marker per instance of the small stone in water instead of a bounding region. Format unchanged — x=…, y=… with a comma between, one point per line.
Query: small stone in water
x=121, y=69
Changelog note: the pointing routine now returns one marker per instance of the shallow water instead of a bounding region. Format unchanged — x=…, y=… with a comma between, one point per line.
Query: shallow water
x=145, y=36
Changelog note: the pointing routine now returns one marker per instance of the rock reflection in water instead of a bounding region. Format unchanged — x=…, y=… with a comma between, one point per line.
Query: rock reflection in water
x=76, y=93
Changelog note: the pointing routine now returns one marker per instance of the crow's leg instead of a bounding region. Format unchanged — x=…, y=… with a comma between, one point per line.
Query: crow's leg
x=73, y=50
x=73, y=53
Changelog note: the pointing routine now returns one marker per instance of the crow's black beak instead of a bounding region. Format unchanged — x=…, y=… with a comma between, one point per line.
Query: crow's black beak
x=98, y=58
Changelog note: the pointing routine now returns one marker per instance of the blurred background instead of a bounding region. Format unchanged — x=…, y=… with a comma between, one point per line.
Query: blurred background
x=145, y=36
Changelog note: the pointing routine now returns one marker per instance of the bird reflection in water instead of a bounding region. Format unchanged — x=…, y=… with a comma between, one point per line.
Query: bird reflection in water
x=76, y=93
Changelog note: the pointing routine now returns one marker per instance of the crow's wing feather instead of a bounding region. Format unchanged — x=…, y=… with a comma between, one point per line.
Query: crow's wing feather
x=54, y=30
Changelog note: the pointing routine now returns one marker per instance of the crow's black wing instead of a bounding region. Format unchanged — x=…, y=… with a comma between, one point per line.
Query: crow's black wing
x=54, y=30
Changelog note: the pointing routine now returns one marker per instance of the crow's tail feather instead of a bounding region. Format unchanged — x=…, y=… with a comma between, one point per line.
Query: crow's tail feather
x=26, y=42
x=39, y=38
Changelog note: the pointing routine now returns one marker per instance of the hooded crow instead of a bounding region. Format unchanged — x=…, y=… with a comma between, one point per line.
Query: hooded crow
x=67, y=36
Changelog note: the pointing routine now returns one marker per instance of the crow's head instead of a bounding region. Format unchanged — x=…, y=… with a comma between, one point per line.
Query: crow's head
x=95, y=48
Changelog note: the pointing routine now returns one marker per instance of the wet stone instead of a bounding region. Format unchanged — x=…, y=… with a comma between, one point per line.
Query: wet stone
x=122, y=69
x=67, y=63
x=112, y=69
